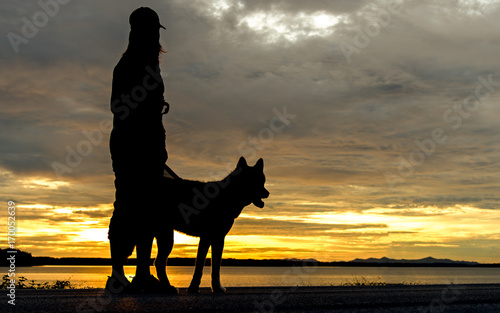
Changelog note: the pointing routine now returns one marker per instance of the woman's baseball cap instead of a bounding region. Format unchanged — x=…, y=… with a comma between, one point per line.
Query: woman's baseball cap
x=144, y=18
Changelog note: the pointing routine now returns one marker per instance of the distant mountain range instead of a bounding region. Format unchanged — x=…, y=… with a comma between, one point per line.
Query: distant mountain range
x=26, y=259
x=428, y=260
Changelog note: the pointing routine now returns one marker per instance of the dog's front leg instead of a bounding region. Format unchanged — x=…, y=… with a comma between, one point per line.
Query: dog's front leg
x=165, y=242
x=200, y=262
x=217, y=248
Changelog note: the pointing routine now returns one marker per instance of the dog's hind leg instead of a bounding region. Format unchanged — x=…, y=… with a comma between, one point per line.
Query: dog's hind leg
x=165, y=242
x=200, y=262
x=217, y=248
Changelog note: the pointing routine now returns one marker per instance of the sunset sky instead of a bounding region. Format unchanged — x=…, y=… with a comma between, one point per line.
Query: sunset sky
x=378, y=122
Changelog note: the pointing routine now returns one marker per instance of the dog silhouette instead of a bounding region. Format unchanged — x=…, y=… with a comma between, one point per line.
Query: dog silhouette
x=206, y=210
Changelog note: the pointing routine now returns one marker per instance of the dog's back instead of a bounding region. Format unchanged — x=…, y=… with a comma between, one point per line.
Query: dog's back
x=209, y=208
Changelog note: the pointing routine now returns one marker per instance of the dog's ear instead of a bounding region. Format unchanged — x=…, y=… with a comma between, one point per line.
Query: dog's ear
x=242, y=163
x=259, y=165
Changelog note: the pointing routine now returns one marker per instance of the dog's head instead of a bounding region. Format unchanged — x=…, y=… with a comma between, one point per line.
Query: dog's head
x=254, y=179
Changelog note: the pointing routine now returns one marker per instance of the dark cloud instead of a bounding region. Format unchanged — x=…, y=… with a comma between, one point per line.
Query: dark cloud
x=246, y=226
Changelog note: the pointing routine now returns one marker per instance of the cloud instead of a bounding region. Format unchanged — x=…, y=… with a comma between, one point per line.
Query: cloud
x=248, y=226
x=230, y=65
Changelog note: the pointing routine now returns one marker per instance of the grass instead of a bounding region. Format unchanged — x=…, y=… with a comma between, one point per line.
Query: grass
x=24, y=283
x=364, y=282
x=378, y=282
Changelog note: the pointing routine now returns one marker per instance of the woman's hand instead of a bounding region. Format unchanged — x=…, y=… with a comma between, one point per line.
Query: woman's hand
x=166, y=107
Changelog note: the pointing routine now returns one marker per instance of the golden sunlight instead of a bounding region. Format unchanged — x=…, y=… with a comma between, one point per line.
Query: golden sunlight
x=93, y=234
x=33, y=183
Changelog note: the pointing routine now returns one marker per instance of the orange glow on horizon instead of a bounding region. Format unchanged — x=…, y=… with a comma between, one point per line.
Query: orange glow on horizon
x=344, y=235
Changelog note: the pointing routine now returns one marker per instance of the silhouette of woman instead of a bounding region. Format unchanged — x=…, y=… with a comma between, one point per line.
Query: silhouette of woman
x=138, y=151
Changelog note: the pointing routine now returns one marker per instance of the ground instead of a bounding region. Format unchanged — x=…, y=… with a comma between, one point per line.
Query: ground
x=391, y=298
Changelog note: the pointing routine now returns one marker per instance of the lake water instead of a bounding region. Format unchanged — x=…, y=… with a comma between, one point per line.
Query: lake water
x=180, y=276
